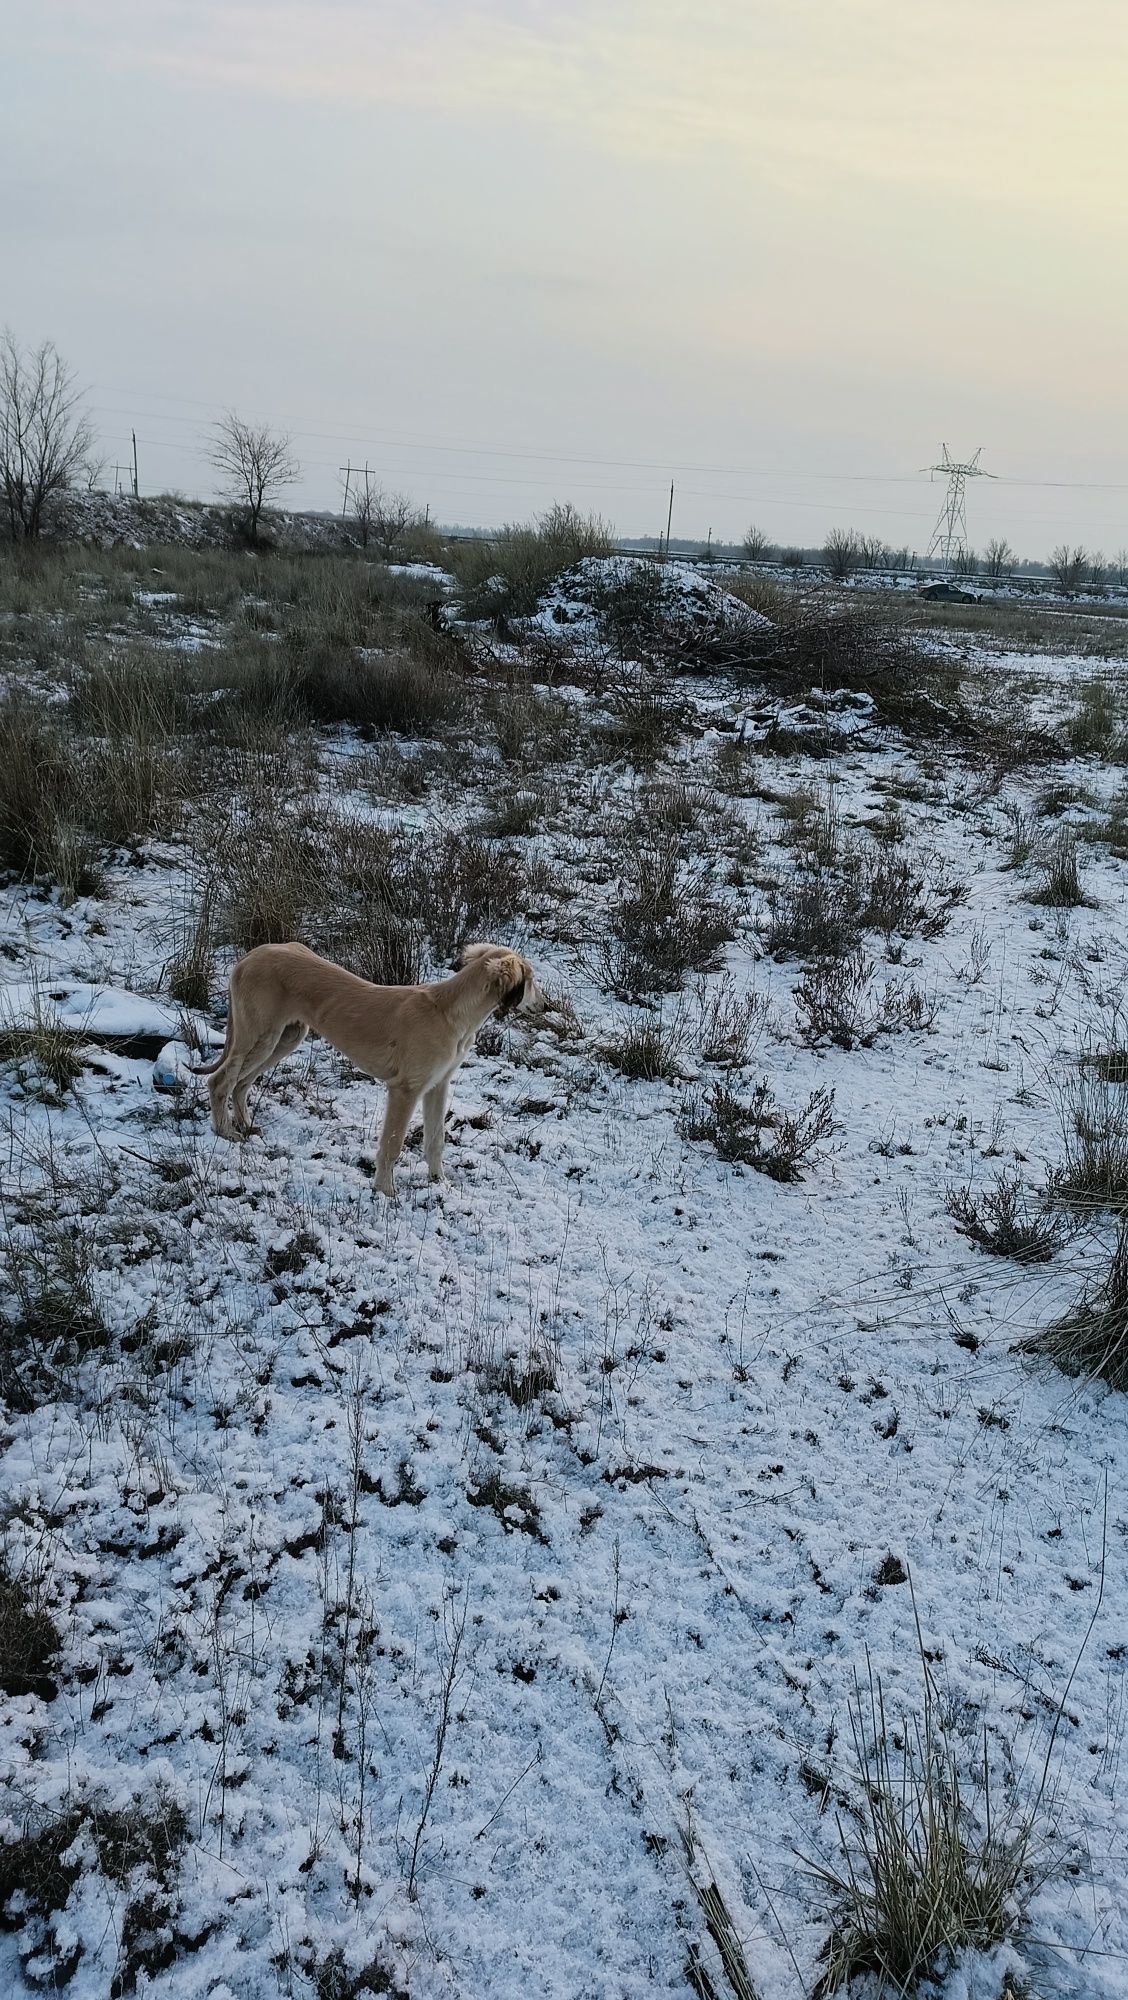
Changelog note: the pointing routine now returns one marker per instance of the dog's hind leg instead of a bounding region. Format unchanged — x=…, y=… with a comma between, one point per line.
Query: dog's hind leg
x=256, y=1065
x=397, y=1117
x=434, y=1127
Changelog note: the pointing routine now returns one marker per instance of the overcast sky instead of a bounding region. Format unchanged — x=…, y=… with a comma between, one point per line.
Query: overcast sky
x=526, y=250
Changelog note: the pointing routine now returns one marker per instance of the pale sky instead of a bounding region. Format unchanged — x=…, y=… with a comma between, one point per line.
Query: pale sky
x=527, y=250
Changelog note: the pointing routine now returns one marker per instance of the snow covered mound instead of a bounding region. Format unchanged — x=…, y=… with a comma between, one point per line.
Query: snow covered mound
x=104, y=1013
x=117, y=520
x=638, y=601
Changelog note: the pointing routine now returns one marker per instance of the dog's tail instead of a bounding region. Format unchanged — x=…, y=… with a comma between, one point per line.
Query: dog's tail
x=209, y=1069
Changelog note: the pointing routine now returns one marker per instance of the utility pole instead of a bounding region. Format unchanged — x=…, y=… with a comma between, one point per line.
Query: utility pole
x=136, y=493
x=669, y=519
x=347, y=470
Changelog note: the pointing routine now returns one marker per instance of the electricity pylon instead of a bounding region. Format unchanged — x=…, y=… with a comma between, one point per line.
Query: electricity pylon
x=949, y=536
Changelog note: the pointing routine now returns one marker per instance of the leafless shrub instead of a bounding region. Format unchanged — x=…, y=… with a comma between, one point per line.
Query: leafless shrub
x=810, y=916
x=835, y=1002
x=874, y=552
x=646, y=614
x=461, y=887
x=1091, y=1339
x=917, y=1880
x=633, y=603
x=365, y=897
x=666, y=923
x=869, y=648
x=44, y=433
x=647, y=717
x=998, y=559
x=454, y=1633
x=843, y=889
x=757, y=1133
x=506, y=575
x=1003, y=1220
x=729, y=1024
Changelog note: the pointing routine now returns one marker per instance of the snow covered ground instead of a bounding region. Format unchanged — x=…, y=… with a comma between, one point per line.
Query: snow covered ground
x=433, y=1566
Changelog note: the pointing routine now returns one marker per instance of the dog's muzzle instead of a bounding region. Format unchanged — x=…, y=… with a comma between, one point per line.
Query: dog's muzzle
x=512, y=1000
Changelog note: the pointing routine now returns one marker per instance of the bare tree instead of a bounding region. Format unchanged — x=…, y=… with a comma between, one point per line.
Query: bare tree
x=385, y=519
x=255, y=461
x=1067, y=567
x=841, y=553
x=966, y=563
x=45, y=436
x=1098, y=573
x=998, y=558
x=873, y=553
x=1120, y=565
x=393, y=516
x=756, y=545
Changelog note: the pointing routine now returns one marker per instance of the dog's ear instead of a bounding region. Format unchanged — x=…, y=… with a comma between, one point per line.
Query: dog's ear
x=508, y=976
x=471, y=953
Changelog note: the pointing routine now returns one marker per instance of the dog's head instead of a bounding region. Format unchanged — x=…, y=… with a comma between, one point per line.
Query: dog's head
x=508, y=974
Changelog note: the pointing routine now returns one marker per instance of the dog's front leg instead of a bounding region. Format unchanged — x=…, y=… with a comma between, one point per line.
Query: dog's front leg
x=397, y=1117
x=434, y=1127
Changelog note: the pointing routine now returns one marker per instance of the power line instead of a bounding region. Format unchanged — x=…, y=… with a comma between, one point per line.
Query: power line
x=549, y=456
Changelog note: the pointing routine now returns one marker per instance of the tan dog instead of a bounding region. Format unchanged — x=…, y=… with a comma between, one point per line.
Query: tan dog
x=412, y=1038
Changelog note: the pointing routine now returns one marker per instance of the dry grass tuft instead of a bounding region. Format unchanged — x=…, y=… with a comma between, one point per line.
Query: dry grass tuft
x=918, y=1878
x=1091, y=1339
x=648, y=1048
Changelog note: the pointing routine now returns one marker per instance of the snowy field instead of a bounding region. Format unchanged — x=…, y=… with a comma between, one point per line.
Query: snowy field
x=453, y=1596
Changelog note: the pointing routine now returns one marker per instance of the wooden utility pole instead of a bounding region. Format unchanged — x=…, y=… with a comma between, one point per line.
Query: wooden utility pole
x=669, y=519
x=347, y=470
x=136, y=493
